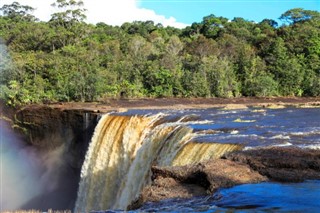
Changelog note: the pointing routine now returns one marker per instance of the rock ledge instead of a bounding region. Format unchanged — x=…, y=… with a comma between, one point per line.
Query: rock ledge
x=288, y=164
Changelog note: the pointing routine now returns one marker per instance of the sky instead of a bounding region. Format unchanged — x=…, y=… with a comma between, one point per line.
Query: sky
x=176, y=13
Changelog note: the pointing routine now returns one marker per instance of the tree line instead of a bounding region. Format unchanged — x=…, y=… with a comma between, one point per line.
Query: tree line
x=67, y=59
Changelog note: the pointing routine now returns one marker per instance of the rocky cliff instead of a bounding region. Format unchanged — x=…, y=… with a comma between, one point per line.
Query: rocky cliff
x=48, y=128
x=251, y=166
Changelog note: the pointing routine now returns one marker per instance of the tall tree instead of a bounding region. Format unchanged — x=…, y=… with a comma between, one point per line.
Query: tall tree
x=18, y=12
x=296, y=15
x=72, y=11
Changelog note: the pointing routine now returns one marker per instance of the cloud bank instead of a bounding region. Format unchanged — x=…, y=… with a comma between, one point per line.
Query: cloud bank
x=112, y=12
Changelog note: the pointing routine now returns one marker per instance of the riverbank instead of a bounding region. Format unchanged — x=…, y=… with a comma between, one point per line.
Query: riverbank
x=39, y=119
x=187, y=103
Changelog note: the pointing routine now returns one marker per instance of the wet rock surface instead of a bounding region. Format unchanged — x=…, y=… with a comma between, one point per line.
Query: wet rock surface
x=41, y=123
x=50, y=128
x=196, y=180
x=59, y=139
x=288, y=164
x=283, y=164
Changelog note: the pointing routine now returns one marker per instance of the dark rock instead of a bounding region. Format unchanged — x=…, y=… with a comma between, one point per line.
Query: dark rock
x=196, y=180
x=284, y=164
x=41, y=122
x=281, y=164
x=48, y=128
x=67, y=131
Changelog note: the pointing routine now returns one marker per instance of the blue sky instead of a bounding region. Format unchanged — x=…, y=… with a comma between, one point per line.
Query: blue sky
x=177, y=13
x=189, y=11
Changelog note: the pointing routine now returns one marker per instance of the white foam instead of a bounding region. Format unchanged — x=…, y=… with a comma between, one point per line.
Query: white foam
x=235, y=136
x=239, y=120
x=224, y=112
x=283, y=137
x=286, y=144
x=312, y=146
x=283, y=144
x=193, y=122
x=234, y=132
x=250, y=147
x=312, y=132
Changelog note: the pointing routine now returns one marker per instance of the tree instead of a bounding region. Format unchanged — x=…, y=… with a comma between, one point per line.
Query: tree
x=220, y=76
x=72, y=12
x=202, y=47
x=269, y=22
x=212, y=25
x=66, y=59
x=296, y=15
x=68, y=22
x=18, y=12
x=257, y=81
x=286, y=69
x=241, y=29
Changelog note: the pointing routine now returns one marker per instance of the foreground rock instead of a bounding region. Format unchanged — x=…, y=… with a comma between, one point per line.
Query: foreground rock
x=202, y=179
x=281, y=164
x=250, y=166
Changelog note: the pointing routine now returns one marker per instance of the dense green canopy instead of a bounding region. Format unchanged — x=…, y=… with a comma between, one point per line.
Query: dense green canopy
x=66, y=59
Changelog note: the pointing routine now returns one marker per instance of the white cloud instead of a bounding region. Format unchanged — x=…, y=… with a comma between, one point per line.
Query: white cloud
x=112, y=12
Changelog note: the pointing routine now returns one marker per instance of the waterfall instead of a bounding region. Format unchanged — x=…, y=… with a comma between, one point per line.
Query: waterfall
x=122, y=150
x=86, y=117
x=198, y=152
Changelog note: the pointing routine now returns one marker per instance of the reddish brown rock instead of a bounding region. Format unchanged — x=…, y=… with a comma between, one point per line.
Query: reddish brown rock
x=202, y=179
x=287, y=164
x=251, y=166
x=47, y=128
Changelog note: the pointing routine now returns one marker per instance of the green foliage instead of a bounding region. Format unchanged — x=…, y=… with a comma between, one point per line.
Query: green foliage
x=298, y=15
x=221, y=77
x=18, y=12
x=66, y=59
x=71, y=13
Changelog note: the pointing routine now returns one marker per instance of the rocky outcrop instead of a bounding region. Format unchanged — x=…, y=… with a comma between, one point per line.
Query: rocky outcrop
x=201, y=179
x=48, y=128
x=59, y=138
x=250, y=166
x=42, y=123
x=281, y=164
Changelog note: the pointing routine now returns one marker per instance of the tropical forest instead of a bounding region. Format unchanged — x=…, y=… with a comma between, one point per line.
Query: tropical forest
x=67, y=59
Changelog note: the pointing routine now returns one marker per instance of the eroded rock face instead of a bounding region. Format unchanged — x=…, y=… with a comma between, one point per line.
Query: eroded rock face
x=202, y=179
x=49, y=128
x=43, y=122
x=59, y=139
x=281, y=164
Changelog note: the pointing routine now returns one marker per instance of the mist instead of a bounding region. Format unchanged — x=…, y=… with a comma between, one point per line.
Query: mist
x=31, y=178
x=17, y=172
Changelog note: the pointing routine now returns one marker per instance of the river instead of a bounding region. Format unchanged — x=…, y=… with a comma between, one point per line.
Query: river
x=253, y=127
x=24, y=178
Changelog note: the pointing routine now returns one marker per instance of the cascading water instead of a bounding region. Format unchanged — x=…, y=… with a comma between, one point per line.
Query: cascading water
x=123, y=149
x=197, y=152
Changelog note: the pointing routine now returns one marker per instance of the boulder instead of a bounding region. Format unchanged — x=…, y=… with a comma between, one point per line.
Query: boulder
x=285, y=164
x=195, y=180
